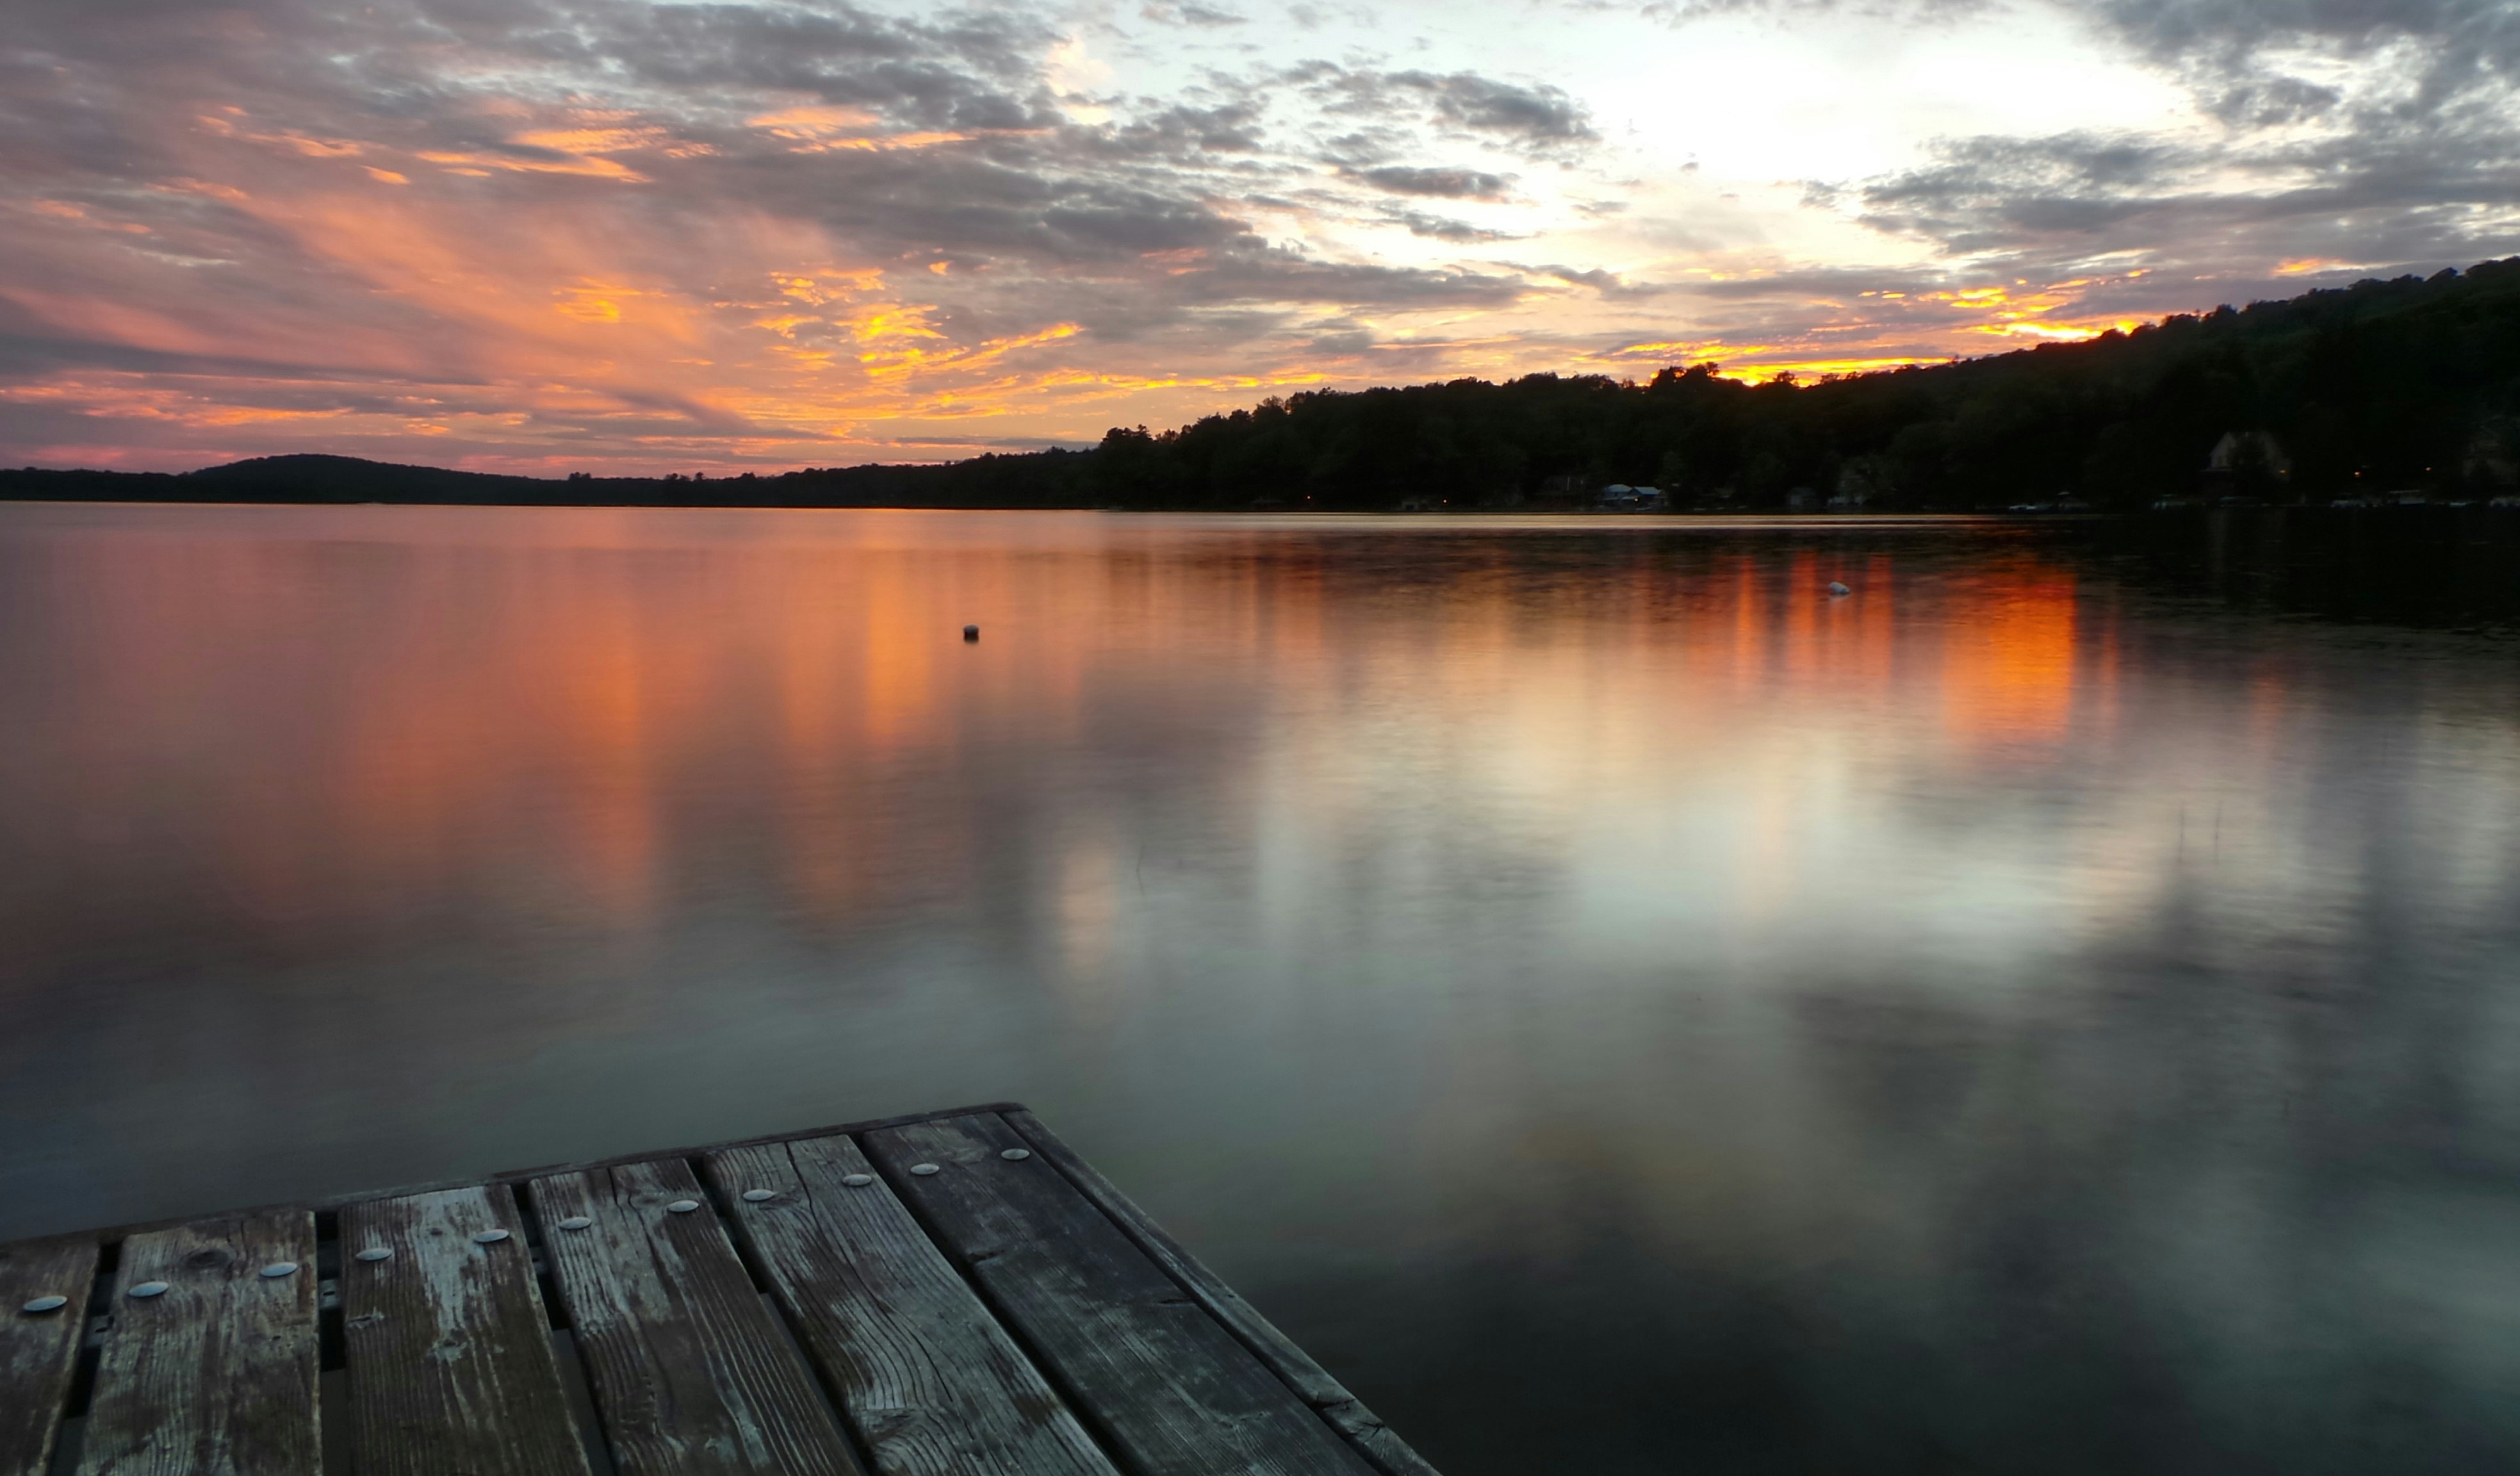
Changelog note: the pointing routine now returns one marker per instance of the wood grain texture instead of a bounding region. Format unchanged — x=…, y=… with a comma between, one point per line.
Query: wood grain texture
x=1383, y=1449
x=932, y=1384
x=1165, y=1383
x=447, y=1346
x=692, y=1372
x=39, y=1350
x=216, y=1376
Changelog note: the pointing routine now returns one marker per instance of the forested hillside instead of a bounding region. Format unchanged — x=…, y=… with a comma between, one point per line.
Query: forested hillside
x=2380, y=386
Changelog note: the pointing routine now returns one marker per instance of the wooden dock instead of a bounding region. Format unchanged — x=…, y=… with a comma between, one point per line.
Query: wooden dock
x=955, y=1292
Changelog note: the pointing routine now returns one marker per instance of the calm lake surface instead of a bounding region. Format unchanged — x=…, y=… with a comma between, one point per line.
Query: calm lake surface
x=1621, y=1008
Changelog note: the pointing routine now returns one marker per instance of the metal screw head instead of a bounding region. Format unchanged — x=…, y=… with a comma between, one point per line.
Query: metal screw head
x=1016, y=1155
x=375, y=1253
x=45, y=1304
x=279, y=1268
x=575, y=1222
x=148, y=1289
x=922, y=1170
x=857, y=1181
x=488, y=1236
x=683, y=1206
x=755, y=1197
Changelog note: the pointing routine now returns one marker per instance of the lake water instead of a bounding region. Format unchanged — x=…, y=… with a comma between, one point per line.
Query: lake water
x=1620, y=1007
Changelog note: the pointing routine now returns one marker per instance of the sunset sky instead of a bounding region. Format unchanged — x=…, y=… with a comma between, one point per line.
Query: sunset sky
x=538, y=236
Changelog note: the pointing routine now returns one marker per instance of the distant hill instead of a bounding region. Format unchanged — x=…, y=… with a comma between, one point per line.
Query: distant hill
x=348, y=478
x=2382, y=386
x=1018, y=481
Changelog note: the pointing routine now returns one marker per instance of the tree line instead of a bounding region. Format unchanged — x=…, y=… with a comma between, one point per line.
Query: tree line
x=2410, y=383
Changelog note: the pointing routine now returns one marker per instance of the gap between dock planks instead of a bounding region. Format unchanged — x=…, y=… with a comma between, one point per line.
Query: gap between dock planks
x=944, y=1294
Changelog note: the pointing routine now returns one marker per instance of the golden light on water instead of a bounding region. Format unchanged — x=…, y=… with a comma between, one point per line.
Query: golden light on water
x=556, y=688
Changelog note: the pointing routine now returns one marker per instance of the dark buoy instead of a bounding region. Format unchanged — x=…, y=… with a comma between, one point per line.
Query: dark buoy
x=970, y=633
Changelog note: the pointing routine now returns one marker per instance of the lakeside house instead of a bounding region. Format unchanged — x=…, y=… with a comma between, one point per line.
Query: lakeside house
x=1621, y=497
x=2247, y=463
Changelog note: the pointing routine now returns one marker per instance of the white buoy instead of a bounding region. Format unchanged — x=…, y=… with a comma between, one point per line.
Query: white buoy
x=1838, y=591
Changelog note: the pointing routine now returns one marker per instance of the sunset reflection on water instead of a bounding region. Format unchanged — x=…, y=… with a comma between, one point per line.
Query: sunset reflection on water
x=1993, y=1017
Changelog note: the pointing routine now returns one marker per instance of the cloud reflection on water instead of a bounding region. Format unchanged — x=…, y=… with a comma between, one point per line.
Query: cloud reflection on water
x=1613, y=1002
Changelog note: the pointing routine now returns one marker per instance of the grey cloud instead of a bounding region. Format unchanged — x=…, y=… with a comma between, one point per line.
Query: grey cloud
x=1192, y=13
x=2073, y=198
x=1913, y=11
x=960, y=71
x=1607, y=283
x=2474, y=36
x=2271, y=102
x=1445, y=184
x=2009, y=175
x=1343, y=336
x=2417, y=159
x=1538, y=113
x=1140, y=223
x=30, y=349
x=1535, y=117
x=1444, y=228
x=1181, y=130
x=2413, y=158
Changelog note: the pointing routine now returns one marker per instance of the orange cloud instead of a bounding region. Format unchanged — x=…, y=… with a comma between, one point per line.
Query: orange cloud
x=481, y=166
x=820, y=128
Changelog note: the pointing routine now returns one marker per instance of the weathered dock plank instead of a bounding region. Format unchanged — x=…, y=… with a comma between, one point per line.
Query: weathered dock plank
x=449, y=1354
x=1386, y=1450
x=1162, y=1378
x=692, y=1373
x=949, y=1294
x=934, y=1386
x=210, y=1367
x=39, y=1343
